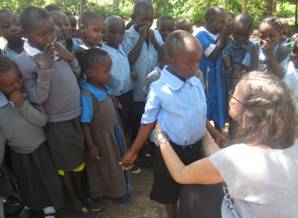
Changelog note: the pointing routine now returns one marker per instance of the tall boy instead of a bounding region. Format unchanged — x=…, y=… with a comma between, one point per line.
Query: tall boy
x=177, y=102
x=213, y=39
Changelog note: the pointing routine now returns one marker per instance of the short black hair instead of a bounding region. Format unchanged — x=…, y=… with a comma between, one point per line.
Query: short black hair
x=113, y=20
x=163, y=18
x=50, y=8
x=30, y=15
x=89, y=58
x=175, y=43
x=6, y=64
x=86, y=17
x=142, y=6
x=212, y=12
x=243, y=20
x=275, y=22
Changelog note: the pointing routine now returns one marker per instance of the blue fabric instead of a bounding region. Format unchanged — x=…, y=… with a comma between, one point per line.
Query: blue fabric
x=121, y=81
x=8, y=52
x=211, y=69
x=87, y=109
x=179, y=107
x=98, y=93
x=145, y=63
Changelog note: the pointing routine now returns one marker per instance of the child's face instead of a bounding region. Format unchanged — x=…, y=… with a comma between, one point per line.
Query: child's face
x=101, y=74
x=11, y=82
x=165, y=28
x=93, y=32
x=268, y=33
x=186, y=62
x=216, y=25
x=285, y=31
x=114, y=34
x=63, y=23
x=41, y=33
x=241, y=35
x=143, y=18
x=60, y=36
x=294, y=57
x=10, y=27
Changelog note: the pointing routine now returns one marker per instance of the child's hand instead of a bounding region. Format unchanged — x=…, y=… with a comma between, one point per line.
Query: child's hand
x=133, y=75
x=45, y=60
x=151, y=36
x=144, y=32
x=94, y=153
x=17, y=98
x=63, y=52
x=226, y=62
x=268, y=48
x=128, y=160
x=225, y=32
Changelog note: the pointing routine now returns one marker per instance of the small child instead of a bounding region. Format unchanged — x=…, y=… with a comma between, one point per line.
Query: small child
x=165, y=25
x=21, y=129
x=141, y=47
x=240, y=55
x=91, y=27
x=104, y=136
x=184, y=24
x=62, y=21
x=291, y=76
x=273, y=57
x=10, y=29
x=53, y=83
x=177, y=103
x=213, y=38
x=121, y=83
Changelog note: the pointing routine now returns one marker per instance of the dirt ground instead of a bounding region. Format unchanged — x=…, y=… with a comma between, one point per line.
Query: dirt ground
x=140, y=206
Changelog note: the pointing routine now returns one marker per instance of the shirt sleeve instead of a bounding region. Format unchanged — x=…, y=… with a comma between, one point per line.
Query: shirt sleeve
x=208, y=45
x=127, y=43
x=35, y=116
x=152, y=107
x=87, y=109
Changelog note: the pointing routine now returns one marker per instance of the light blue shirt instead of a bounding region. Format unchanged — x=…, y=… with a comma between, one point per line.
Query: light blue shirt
x=158, y=37
x=145, y=63
x=121, y=81
x=8, y=52
x=179, y=107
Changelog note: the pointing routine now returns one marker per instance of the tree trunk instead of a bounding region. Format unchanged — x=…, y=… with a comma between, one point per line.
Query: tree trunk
x=271, y=7
x=244, y=5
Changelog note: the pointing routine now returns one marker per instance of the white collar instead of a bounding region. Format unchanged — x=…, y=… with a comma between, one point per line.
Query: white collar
x=203, y=29
x=31, y=51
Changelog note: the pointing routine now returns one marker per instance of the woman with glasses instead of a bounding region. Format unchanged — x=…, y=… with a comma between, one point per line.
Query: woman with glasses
x=260, y=167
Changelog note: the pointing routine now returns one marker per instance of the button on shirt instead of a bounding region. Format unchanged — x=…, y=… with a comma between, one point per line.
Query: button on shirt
x=179, y=107
x=121, y=81
x=144, y=64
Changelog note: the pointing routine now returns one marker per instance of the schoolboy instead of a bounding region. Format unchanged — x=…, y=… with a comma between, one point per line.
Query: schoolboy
x=213, y=39
x=184, y=24
x=121, y=82
x=178, y=90
x=11, y=30
x=140, y=45
x=165, y=25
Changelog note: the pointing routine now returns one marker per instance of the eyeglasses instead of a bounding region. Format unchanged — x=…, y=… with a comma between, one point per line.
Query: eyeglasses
x=231, y=95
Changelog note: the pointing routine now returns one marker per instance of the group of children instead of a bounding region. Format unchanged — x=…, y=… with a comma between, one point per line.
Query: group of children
x=68, y=105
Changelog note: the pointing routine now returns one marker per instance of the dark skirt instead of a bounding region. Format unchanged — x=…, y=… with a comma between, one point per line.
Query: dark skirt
x=66, y=143
x=38, y=179
x=200, y=201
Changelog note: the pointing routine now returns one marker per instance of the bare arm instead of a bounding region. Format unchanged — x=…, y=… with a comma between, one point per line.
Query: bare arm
x=135, y=52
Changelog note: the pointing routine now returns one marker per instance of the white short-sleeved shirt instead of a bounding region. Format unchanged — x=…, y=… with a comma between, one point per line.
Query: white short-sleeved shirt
x=263, y=182
x=121, y=81
x=178, y=106
x=291, y=79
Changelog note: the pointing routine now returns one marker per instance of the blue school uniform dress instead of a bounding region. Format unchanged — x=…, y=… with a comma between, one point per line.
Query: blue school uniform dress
x=145, y=63
x=179, y=107
x=121, y=82
x=211, y=69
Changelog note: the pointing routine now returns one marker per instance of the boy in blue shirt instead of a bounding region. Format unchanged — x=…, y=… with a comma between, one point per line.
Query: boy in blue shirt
x=213, y=38
x=177, y=102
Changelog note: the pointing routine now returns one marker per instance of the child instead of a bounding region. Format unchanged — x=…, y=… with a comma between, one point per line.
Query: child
x=53, y=83
x=272, y=55
x=121, y=83
x=21, y=129
x=62, y=21
x=177, y=102
x=73, y=23
x=10, y=30
x=184, y=24
x=165, y=25
x=213, y=39
x=104, y=136
x=291, y=76
x=140, y=45
x=91, y=27
x=240, y=55
x=284, y=39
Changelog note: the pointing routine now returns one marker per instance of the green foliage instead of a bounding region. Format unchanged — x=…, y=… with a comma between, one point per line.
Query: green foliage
x=192, y=9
